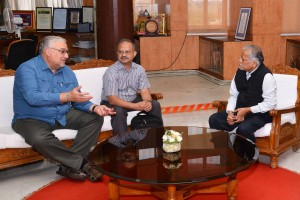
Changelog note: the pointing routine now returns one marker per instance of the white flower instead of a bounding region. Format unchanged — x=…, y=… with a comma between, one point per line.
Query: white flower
x=172, y=136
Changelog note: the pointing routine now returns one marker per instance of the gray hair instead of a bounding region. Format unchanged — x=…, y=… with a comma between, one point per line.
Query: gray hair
x=255, y=53
x=48, y=41
x=127, y=40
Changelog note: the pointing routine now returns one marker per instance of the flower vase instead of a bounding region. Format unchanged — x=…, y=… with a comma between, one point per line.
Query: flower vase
x=171, y=147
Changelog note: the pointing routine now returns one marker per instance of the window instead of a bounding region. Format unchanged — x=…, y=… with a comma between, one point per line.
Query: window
x=207, y=15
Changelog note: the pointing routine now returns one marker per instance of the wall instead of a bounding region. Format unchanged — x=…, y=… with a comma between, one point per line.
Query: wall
x=174, y=52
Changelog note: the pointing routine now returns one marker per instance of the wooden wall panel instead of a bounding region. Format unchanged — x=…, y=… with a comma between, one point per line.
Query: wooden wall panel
x=188, y=57
x=178, y=19
x=155, y=52
x=271, y=47
x=232, y=53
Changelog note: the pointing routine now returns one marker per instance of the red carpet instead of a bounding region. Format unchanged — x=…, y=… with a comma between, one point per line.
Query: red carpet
x=257, y=182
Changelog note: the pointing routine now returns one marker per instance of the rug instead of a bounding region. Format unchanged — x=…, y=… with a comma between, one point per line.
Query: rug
x=257, y=182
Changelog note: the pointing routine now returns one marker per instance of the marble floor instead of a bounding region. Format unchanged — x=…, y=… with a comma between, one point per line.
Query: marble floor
x=178, y=90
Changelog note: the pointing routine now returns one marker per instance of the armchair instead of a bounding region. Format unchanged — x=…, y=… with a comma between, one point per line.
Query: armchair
x=18, y=52
x=284, y=131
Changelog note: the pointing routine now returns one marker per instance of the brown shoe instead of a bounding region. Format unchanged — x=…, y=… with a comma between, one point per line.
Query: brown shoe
x=70, y=173
x=93, y=174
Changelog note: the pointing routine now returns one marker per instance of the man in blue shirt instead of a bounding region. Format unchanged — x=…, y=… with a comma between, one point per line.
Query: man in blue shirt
x=46, y=97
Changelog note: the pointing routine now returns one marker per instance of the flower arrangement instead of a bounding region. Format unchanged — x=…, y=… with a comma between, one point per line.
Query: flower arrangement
x=171, y=137
x=172, y=141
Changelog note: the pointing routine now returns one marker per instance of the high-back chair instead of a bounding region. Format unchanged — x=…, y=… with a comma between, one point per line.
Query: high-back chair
x=18, y=52
x=284, y=131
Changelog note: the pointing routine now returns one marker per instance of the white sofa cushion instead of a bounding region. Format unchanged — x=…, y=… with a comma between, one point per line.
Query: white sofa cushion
x=286, y=98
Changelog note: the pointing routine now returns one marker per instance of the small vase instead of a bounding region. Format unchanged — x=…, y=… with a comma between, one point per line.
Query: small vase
x=173, y=147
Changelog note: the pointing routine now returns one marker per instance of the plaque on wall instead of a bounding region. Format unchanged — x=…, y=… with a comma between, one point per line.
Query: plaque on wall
x=151, y=28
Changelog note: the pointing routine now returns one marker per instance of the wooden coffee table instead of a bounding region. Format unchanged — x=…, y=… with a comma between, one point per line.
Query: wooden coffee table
x=208, y=162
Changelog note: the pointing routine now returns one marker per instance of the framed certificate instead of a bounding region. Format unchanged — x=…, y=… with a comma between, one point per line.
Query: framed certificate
x=241, y=28
x=28, y=19
x=59, y=19
x=88, y=16
x=74, y=18
x=43, y=18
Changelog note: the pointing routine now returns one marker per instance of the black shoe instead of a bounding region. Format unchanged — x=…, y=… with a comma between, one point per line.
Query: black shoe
x=92, y=173
x=70, y=173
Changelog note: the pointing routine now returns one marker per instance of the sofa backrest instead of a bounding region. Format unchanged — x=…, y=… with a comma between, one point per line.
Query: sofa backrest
x=286, y=90
x=90, y=79
x=6, y=104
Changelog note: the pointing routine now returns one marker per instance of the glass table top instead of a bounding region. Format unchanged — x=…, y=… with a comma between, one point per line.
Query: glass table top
x=206, y=154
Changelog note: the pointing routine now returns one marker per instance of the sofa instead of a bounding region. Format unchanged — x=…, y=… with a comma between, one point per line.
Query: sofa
x=14, y=151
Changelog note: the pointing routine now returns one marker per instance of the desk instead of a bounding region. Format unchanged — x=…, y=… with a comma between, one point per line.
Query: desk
x=207, y=163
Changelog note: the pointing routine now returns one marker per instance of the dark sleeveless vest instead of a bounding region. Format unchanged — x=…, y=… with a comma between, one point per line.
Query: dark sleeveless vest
x=250, y=91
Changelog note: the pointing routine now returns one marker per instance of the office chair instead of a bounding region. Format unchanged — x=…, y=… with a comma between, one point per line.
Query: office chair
x=18, y=52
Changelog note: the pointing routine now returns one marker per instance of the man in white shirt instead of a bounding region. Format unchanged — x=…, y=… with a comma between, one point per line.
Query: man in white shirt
x=252, y=96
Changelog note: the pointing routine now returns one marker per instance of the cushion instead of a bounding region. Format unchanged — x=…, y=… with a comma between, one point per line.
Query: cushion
x=286, y=98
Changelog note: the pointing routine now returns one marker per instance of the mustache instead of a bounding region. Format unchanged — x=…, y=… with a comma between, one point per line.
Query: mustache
x=124, y=57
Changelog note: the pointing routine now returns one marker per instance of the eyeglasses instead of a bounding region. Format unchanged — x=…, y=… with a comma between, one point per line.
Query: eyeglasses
x=63, y=52
x=123, y=52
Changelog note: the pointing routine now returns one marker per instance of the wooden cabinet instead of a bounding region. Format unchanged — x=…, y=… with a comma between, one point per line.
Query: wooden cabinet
x=219, y=56
x=292, y=58
x=81, y=45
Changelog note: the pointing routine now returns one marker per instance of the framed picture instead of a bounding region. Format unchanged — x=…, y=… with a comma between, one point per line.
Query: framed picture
x=26, y=19
x=242, y=25
x=74, y=18
x=161, y=21
x=88, y=16
x=59, y=19
x=43, y=18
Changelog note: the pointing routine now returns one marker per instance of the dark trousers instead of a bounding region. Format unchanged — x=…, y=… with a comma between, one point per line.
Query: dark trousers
x=119, y=121
x=246, y=128
x=39, y=135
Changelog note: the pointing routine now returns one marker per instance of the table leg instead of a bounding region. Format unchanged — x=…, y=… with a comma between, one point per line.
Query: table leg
x=113, y=189
x=171, y=192
x=232, y=188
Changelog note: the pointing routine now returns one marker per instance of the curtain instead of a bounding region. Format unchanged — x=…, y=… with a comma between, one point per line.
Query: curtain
x=31, y=4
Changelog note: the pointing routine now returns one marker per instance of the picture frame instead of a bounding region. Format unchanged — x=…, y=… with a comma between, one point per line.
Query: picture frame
x=74, y=18
x=241, y=29
x=161, y=21
x=59, y=19
x=43, y=18
x=28, y=18
x=88, y=16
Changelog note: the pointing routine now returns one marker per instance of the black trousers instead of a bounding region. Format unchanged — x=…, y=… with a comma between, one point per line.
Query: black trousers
x=119, y=121
x=39, y=135
x=246, y=128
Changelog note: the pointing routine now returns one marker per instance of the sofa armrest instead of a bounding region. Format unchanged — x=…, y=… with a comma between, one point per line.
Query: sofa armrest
x=157, y=96
x=220, y=105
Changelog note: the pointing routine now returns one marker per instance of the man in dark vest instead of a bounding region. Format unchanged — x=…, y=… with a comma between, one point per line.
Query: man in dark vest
x=252, y=96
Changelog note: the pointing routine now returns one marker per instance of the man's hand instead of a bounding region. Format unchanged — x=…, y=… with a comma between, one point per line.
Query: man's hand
x=76, y=96
x=231, y=118
x=241, y=113
x=103, y=110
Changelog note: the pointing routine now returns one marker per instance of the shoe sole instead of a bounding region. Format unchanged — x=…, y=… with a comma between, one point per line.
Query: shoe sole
x=77, y=178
